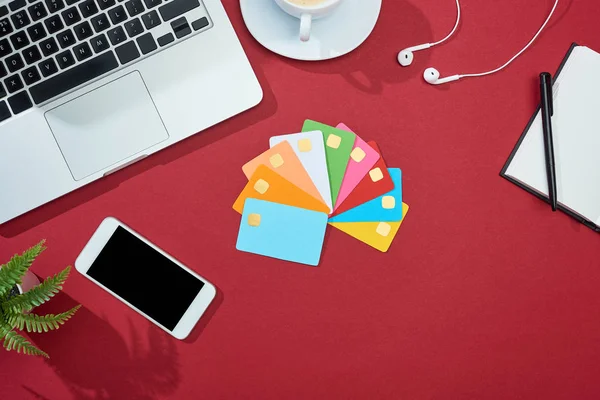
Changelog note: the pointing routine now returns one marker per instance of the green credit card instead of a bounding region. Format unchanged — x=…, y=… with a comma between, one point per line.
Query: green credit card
x=338, y=146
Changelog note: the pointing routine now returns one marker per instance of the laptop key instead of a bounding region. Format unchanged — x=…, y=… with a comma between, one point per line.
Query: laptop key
x=71, y=16
x=5, y=27
x=19, y=40
x=181, y=27
x=134, y=7
x=55, y=5
x=200, y=23
x=20, y=19
x=71, y=78
x=36, y=32
x=88, y=8
x=13, y=83
x=31, y=75
x=16, y=4
x=83, y=30
x=54, y=24
x=31, y=54
x=99, y=43
x=65, y=59
x=37, y=11
x=5, y=48
x=71, y=2
x=134, y=27
x=3, y=71
x=20, y=102
x=127, y=52
x=14, y=62
x=175, y=8
x=4, y=111
x=66, y=38
x=3, y=11
x=165, y=39
x=117, y=14
x=82, y=51
x=116, y=35
x=2, y=91
x=151, y=19
x=152, y=3
x=48, y=67
x=100, y=23
x=48, y=46
x=146, y=43
x=104, y=4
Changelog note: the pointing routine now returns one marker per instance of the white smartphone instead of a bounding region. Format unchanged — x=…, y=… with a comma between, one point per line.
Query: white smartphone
x=145, y=278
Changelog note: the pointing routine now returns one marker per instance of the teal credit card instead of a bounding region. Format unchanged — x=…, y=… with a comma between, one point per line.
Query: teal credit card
x=282, y=232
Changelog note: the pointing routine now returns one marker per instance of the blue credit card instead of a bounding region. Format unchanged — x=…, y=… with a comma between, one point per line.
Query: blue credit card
x=386, y=208
x=281, y=231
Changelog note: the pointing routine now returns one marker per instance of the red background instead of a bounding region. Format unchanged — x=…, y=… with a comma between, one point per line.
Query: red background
x=484, y=294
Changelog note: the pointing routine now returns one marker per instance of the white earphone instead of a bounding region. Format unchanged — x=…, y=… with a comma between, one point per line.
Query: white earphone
x=406, y=56
x=432, y=75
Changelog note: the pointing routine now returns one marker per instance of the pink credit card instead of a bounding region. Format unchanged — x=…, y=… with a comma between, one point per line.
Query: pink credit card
x=362, y=159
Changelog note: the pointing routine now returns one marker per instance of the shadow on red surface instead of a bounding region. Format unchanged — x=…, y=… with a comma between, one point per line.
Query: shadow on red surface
x=95, y=362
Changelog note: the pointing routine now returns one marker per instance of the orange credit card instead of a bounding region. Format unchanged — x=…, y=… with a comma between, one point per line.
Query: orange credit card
x=267, y=185
x=283, y=160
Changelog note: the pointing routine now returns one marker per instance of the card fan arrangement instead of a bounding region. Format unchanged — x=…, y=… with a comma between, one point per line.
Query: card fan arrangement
x=305, y=181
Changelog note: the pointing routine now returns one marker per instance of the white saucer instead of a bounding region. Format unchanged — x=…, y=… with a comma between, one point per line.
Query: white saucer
x=332, y=36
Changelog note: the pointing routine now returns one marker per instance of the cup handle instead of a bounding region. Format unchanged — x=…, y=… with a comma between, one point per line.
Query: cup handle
x=305, y=27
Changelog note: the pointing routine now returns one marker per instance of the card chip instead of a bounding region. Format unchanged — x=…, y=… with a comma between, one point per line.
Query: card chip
x=261, y=186
x=304, y=145
x=276, y=160
x=376, y=174
x=383, y=229
x=388, y=202
x=358, y=154
x=334, y=141
x=254, y=219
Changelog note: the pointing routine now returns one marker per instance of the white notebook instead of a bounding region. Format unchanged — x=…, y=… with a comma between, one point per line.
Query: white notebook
x=576, y=130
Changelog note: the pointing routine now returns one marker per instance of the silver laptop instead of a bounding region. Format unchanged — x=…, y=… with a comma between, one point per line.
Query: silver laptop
x=91, y=86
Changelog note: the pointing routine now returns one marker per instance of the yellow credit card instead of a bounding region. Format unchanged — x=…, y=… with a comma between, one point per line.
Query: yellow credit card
x=378, y=235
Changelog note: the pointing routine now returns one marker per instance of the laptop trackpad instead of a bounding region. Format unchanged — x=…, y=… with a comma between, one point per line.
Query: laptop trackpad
x=106, y=126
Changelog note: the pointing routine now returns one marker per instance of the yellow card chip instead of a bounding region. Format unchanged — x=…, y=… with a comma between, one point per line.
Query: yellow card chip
x=276, y=160
x=388, y=202
x=378, y=235
x=254, y=219
x=358, y=154
x=261, y=186
x=334, y=141
x=376, y=174
x=383, y=229
x=304, y=145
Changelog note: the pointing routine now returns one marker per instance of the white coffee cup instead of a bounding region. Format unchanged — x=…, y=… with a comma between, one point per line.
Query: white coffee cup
x=307, y=10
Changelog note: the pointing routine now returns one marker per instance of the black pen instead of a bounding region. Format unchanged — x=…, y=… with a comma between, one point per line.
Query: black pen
x=547, y=113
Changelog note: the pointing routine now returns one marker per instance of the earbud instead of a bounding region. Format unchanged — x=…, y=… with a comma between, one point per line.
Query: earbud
x=432, y=76
x=406, y=56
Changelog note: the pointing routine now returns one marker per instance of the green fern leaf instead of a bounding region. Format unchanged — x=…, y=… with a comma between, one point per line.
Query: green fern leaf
x=14, y=341
x=4, y=329
x=37, y=295
x=39, y=323
x=13, y=271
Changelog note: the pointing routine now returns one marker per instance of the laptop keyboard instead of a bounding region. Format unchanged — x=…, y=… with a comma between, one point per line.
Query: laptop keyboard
x=49, y=47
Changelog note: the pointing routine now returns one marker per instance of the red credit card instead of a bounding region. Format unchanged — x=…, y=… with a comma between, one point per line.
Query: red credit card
x=367, y=189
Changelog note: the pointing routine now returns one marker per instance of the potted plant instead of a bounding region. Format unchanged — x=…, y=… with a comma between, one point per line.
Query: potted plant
x=21, y=292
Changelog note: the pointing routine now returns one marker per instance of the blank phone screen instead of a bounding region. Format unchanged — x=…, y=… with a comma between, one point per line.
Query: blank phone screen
x=145, y=278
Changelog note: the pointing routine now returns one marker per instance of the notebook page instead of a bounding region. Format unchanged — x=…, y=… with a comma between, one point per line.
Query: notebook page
x=576, y=129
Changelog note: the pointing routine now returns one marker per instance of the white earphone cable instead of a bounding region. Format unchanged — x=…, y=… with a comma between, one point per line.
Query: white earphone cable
x=453, y=30
x=519, y=53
